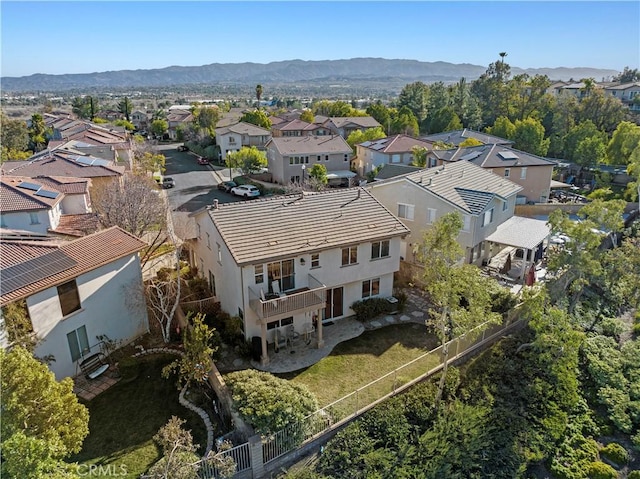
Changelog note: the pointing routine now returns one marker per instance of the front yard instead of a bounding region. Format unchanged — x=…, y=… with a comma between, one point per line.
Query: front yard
x=355, y=363
x=124, y=419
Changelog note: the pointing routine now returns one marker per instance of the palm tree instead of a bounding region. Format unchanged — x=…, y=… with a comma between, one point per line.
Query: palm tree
x=259, y=93
x=502, y=55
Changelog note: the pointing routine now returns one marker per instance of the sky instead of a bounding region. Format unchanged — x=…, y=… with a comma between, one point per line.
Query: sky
x=95, y=36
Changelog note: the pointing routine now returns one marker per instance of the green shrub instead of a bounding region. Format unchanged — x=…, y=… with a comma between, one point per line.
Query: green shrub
x=615, y=453
x=502, y=300
x=369, y=308
x=402, y=298
x=633, y=475
x=636, y=329
x=600, y=470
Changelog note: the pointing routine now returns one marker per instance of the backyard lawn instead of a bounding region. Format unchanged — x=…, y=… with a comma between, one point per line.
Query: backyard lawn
x=356, y=362
x=124, y=419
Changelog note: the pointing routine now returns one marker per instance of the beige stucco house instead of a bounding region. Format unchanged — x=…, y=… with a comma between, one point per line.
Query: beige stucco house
x=232, y=138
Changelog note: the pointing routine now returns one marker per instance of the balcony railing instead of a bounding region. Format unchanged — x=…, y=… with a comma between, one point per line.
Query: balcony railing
x=306, y=298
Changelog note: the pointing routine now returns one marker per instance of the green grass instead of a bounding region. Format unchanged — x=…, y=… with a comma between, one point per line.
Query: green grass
x=124, y=419
x=355, y=363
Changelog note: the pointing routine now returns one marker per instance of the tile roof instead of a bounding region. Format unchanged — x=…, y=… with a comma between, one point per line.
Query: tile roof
x=88, y=253
x=243, y=128
x=361, y=121
x=59, y=163
x=295, y=125
x=78, y=225
x=492, y=156
x=15, y=196
x=396, y=144
x=463, y=184
x=456, y=137
x=310, y=145
x=270, y=228
x=624, y=86
x=66, y=185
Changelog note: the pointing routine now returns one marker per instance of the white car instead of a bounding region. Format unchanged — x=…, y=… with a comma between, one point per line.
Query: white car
x=248, y=191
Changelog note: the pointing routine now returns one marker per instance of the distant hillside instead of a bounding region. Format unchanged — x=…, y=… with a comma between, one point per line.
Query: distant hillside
x=322, y=72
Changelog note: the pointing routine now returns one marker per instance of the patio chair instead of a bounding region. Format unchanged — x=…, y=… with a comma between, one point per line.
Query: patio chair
x=292, y=335
x=308, y=332
x=281, y=340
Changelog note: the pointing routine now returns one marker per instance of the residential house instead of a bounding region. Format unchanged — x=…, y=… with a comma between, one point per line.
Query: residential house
x=419, y=199
x=298, y=128
x=289, y=157
x=455, y=137
x=393, y=150
x=297, y=260
x=177, y=119
x=626, y=93
x=346, y=125
x=46, y=205
x=75, y=292
x=61, y=163
x=234, y=137
x=140, y=120
x=531, y=172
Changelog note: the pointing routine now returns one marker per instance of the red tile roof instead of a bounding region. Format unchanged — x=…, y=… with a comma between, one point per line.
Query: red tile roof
x=89, y=252
x=14, y=198
x=58, y=163
x=66, y=185
x=78, y=225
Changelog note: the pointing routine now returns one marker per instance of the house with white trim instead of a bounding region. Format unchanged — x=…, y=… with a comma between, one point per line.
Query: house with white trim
x=233, y=137
x=392, y=150
x=297, y=260
x=76, y=293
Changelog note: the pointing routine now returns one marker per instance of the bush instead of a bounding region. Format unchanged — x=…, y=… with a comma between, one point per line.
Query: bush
x=615, y=453
x=369, y=308
x=502, y=301
x=600, y=470
x=402, y=298
x=633, y=475
x=636, y=329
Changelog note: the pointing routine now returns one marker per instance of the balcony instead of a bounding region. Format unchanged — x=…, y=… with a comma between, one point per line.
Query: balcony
x=304, y=299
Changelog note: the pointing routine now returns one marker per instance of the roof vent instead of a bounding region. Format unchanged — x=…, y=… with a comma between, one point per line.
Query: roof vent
x=215, y=204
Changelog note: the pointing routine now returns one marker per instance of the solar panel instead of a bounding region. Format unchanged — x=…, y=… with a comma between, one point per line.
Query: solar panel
x=508, y=155
x=98, y=162
x=33, y=270
x=47, y=194
x=471, y=156
x=84, y=160
x=29, y=186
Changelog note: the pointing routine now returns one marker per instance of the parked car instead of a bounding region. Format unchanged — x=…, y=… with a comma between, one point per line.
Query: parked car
x=183, y=148
x=168, y=182
x=202, y=160
x=248, y=191
x=227, y=186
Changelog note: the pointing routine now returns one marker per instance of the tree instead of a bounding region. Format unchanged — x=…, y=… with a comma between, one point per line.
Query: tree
x=491, y=91
x=405, y=122
x=38, y=132
x=470, y=142
x=625, y=139
x=628, y=75
x=258, y=118
x=179, y=459
x=247, y=159
x=591, y=151
x=529, y=136
x=159, y=127
x=83, y=107
x=127, y=125
x=307, y=115
x=258, y=93
x=126, y=107
x=148, y=162
x=578, y=133
x=605, y=111
x=17, y=325
x=381, y=114
x=318, y=173
x=419, y=154
x=42, y=420
x=267, y=402
x=459, y=295
x=134, y=205
x=502, y=128
x=14, y=138
x=360, y=136
x=444, y=119
x=197, y=340
x=415, y=97
x=206, y=118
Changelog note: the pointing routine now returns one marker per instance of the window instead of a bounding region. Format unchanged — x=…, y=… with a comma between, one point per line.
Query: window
x=208, y=241
x=396, y=158
x=507, y=172
x=315, y=260
x=467, y=223
x=258, y=271
x=283, y=274
x=78, y=342
x=199, y=231
x=232, y=140
x=431, y=215
x=370, y=287
x=326, y=157
x=380, y=249
x=3, y=224
x=346, y=157
x=405, y=211
x=219, y=253
x=280, y=323
x=433, y=162
x=212, y=283
x=69, y=297
x=505, y=205
x=488, y=217
x=34, y=218
x=349, y=255
x=291, y=160
x=319, y=157
x=523, y=173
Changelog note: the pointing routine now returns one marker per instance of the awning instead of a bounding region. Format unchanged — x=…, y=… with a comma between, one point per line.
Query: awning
x=520, y=232
x=556, y=185
x=332, y=175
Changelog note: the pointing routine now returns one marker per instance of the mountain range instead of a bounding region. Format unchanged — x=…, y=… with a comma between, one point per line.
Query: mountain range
x=355, y=70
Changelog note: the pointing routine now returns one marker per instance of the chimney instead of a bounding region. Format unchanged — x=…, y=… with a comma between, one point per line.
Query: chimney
x=358, y=193
x=215, y=204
